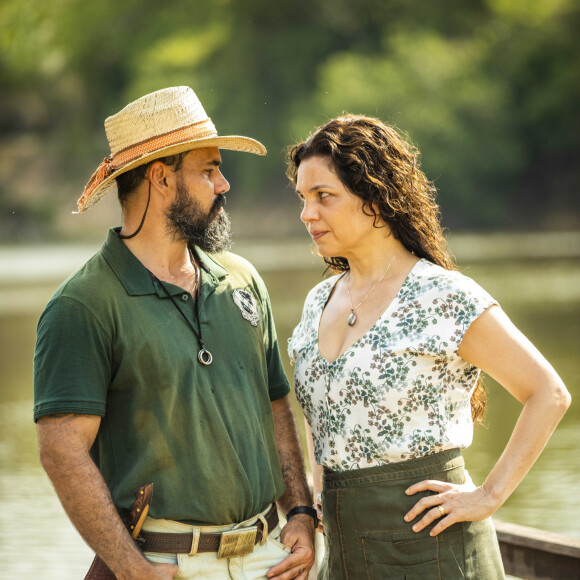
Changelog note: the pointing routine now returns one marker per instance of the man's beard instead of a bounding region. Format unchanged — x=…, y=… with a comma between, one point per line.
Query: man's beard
x=186, y=221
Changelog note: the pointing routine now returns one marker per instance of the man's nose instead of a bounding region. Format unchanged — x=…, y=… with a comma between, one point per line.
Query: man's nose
x=222, y=185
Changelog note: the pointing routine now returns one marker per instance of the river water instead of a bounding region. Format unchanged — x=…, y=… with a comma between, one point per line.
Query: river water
x=542, y=296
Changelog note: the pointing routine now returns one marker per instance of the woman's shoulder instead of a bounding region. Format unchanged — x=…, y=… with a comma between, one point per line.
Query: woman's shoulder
x=430, y=274
x=305, y=331
x=316, y=299
x=433, y=281
x=319, y=294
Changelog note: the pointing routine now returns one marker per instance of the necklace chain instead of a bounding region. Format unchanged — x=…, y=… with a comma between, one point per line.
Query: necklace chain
x=203, y=356
x=352, y=316
x=195, y=275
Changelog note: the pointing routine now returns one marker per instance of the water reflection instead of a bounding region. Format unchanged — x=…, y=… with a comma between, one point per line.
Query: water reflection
x=30, y=513
x=543, y=299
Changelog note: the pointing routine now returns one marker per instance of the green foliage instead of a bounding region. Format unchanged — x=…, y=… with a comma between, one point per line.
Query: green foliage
x=412, y=86
x=487, y=90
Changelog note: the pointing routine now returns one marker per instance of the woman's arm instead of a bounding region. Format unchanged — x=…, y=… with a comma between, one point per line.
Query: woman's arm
x=496, y=346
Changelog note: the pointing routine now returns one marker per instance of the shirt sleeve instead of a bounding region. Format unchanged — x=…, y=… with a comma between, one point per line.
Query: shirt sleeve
x=464, y=302
x=278, y=385
x=72, y=361
x=291, y=351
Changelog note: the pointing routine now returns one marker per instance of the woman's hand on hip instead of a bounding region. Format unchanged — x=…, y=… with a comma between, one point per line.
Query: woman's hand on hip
x=450, y=504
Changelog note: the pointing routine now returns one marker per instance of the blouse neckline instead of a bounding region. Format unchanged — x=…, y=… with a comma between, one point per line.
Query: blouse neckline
x=381, y=316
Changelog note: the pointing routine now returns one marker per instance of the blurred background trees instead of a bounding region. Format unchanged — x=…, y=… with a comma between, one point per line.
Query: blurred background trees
x=488, y=90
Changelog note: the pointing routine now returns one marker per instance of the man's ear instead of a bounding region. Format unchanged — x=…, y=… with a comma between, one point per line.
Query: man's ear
x=161, y=178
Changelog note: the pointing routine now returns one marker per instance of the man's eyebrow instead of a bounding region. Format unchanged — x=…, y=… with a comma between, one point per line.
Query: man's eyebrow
x=214, y=162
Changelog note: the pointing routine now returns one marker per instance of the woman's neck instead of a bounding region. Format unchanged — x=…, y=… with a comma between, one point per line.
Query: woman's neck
x=366, y=267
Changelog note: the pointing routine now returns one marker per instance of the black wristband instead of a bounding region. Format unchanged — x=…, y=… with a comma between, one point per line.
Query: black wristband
x=304, y=509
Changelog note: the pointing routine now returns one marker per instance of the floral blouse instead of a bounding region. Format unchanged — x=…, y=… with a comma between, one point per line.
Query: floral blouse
x=401, y=391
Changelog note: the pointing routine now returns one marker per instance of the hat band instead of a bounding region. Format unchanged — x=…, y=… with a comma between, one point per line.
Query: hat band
x=199, y=130
x=193, y=132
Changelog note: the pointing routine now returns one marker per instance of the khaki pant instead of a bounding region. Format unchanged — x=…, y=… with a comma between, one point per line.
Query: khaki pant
x=367, y=538
x=207, y=566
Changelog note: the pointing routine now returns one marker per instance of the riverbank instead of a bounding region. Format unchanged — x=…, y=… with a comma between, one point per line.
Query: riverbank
x=29, y=274
x=53, y=261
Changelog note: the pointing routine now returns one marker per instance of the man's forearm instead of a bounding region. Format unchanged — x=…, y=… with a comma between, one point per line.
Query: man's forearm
x=87, y=501
x=291, y=458
x=298, y=533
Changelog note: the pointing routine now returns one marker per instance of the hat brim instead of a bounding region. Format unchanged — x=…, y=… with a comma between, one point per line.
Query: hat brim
x=230, y=142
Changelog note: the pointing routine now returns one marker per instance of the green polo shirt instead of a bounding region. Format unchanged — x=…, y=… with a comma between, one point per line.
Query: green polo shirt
x=111, y=343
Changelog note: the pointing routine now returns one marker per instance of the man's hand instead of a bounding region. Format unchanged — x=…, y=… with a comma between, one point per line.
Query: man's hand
x=151, y=571
x=298, y=535
x=166, y=571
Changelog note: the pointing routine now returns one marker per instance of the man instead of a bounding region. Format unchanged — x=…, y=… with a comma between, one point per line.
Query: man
x=157, y=362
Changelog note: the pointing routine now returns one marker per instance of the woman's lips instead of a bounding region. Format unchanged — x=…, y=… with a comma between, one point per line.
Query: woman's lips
x=316, y=235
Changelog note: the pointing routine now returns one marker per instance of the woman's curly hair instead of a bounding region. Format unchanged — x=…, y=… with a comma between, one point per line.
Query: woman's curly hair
x=375, y=163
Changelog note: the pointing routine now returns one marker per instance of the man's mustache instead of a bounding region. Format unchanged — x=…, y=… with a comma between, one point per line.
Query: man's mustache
x=218, y=203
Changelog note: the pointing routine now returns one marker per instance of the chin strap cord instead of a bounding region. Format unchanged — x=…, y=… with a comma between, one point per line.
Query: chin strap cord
x=142, y=219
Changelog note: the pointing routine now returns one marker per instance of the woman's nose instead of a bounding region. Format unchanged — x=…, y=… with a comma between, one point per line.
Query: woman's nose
x=308, y=213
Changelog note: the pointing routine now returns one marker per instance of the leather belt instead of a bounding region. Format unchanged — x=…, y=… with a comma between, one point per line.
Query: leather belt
x=235, y=542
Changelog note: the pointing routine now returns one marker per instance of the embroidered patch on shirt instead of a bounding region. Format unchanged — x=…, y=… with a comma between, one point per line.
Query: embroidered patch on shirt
x=247, y=305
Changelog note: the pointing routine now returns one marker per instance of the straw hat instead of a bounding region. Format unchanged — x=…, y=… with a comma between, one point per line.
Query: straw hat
x=163, y=123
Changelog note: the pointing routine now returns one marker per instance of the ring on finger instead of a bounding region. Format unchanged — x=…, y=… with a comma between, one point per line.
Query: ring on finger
x=441, y=509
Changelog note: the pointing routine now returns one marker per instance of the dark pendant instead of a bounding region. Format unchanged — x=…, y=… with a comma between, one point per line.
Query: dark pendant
x=351, y=318
x=204, y=357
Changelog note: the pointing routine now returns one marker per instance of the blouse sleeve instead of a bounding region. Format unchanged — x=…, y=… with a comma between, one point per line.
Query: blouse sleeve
x=293, y=340
x=459, y=305
x=303, y=329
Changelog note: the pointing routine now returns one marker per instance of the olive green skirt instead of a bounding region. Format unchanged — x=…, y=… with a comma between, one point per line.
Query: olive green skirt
x=367, y=537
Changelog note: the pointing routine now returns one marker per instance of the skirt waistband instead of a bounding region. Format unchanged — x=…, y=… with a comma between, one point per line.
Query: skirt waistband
x=411, y=468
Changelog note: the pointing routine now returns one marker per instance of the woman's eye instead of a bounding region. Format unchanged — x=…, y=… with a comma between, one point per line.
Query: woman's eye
x=323, y=194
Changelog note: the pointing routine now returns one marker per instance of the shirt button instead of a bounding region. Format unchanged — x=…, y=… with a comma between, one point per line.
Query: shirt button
x=185, y=297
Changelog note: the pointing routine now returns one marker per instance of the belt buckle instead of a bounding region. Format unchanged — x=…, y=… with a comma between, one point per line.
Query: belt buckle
x=237, y=542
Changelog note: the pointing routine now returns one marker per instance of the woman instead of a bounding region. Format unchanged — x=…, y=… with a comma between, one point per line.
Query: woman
x=388, y=355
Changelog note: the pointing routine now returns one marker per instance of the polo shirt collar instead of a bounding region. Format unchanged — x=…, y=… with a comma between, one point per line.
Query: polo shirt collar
x=209, y=265
x=133, y=275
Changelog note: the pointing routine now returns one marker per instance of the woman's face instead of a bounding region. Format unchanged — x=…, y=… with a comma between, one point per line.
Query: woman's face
x=332, y=215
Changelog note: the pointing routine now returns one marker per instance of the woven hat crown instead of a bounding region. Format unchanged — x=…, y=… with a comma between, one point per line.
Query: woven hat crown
x=155, y=114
